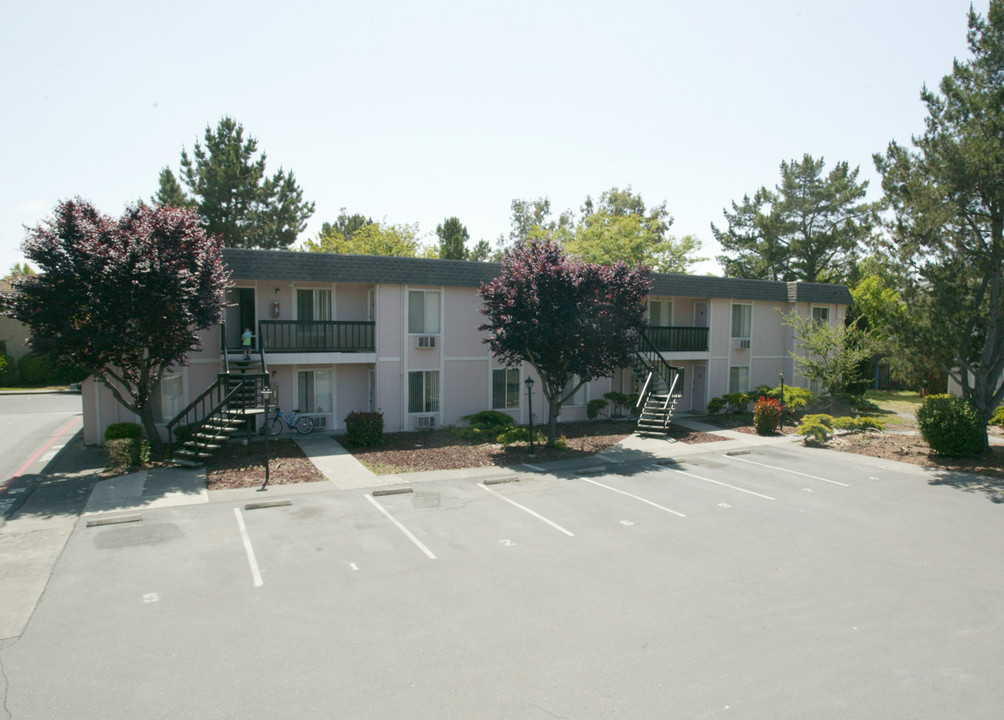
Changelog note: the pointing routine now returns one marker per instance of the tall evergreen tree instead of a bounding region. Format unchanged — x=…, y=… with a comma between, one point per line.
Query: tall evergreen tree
x=234, y=195
x=948, y=200
x=170, y=192
x=453, y=237
x=810, y=227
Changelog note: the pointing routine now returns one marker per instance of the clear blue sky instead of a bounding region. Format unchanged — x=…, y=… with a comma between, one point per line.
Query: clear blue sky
x=416, y=111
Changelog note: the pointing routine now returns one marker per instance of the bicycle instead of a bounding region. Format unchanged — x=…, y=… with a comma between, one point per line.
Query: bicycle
x=302, y=424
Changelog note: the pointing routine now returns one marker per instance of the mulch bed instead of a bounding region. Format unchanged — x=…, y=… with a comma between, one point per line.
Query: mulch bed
x=443, y=450
x=238, y=466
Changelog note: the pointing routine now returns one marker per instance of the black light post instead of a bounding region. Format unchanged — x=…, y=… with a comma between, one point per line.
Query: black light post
x=529, y=407
x=266, y=395
x=780, y=376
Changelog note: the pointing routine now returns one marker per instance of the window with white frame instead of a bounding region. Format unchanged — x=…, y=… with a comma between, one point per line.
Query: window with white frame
x=580, y=396
x=172, y=395
x=313, y=304
x=660, y=313
x=739, y=378
x=505, y=388
x=821, y=315
x=742, y=320
x=423, y=391
x=314, y=391
x=423, y=312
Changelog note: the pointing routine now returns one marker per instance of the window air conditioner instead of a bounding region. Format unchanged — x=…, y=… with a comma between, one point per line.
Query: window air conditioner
x=425, y=341
x=425, y=422
x=741, y=343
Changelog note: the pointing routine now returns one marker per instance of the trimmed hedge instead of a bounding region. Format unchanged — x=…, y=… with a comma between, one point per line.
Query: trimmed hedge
x=123, y=431
x=364, y=429
x=951, y=426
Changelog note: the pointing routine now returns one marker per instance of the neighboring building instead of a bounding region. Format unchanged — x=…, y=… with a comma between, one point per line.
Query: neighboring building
x=351, y=332
x=13, y=334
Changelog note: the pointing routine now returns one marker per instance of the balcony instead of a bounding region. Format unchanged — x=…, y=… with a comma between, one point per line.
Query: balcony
x=678, y=339
x=315, y=336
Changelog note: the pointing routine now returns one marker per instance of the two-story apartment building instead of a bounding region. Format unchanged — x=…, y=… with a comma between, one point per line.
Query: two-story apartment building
x=340, y=333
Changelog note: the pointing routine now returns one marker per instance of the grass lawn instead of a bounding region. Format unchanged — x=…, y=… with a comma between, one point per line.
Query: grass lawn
x=897, y=401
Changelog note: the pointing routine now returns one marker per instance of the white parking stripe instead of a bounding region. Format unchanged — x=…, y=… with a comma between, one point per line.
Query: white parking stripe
x=527, y=510
x=635, y=497
x=793, y=472
x=716, y=482
x=255, y=572
x=407, y=533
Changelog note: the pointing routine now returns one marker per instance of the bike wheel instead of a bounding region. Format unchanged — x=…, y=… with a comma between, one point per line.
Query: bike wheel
x=273, y=427
x=304, y=425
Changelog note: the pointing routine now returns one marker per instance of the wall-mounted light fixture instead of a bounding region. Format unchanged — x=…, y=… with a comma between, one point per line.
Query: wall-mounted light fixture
x=277, y=292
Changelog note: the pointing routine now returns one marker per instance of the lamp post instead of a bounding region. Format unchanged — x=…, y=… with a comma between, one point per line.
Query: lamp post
x=780, y=377
x=266, y=395
x=529, y=406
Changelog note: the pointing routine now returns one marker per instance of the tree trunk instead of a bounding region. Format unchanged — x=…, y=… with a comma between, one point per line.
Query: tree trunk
x=157, y=447
x=554, y=409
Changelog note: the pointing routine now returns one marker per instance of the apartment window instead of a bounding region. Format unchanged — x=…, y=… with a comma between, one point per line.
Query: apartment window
x=314, y=390
x=505, y=388
x=313, y=305
x=579, y=397
x=423, y=312
x=660, y=313
x=423, y=391
x=821, y=315
x=742, y=321
x=172, y=390
x=739, y=379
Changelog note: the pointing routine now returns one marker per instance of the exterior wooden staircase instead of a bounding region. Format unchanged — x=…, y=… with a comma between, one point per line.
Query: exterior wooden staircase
x=659, y=392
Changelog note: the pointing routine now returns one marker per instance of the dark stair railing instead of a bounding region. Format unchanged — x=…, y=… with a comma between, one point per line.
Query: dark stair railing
x=661, y=380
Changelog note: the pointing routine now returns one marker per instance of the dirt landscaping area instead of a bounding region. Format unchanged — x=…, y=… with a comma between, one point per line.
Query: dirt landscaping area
x=240, y=466
x=444, y=450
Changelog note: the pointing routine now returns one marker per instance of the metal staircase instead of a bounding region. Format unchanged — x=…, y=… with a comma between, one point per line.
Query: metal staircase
x=659, y=393
x=223, y=409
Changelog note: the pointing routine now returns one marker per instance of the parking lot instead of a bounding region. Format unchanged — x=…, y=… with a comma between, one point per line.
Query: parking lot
x=780, y=582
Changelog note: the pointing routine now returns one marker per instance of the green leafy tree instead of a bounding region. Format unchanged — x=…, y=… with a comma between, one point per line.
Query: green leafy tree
x=368, y=239
x=948, y=201
x=20, y=270
x=170, y=192
x=810, y=227
x=238, y=200
x=830, y=354
x=122, y=298
x=453, y=237
x=481, y=252
x=619, y=228
x=572, y=321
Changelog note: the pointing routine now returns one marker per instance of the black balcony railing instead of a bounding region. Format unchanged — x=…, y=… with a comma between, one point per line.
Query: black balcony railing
x=678, y=339
x=317, y=336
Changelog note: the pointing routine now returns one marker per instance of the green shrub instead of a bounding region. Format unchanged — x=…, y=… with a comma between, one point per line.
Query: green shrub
x=595, y=407
x=998, y=417
x=489, y=419
x=484, y=426
x=951, y=426
x=816, y=428
x=765, y=391
x=126, y=452
x=364, y=429
x=716, y=405
x=513, y=435
x=797, y=398
x=124, y=430
x=620, y=400
x=859, y=424
x=766, y=415
x=8, y=370
x=37, y=370
x=738, y=402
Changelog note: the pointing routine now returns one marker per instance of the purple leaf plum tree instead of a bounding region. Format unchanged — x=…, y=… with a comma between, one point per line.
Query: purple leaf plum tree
x=571, y=321
x=123, y=298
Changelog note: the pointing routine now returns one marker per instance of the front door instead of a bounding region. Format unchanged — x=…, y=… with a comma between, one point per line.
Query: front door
x=240, y=315
x=697, y=396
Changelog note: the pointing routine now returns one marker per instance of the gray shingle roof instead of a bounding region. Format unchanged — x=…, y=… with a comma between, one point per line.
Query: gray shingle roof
x=293, y=266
